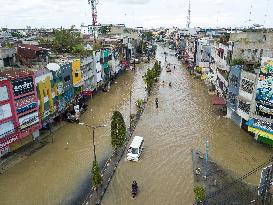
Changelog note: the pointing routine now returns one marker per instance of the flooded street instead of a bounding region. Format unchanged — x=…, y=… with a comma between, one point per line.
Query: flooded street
x=184, y=120
x=59, y=173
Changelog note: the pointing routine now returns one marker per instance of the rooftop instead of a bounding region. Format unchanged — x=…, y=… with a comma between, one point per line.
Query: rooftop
x=13, y=73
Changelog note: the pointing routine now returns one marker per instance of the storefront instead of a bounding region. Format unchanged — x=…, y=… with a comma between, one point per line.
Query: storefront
x=45, y=91
x=23, y=104
x=8, y=131
x=263, y=131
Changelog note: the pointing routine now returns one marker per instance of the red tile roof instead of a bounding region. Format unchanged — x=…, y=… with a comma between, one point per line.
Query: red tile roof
x=31, y=47
x=15, y=73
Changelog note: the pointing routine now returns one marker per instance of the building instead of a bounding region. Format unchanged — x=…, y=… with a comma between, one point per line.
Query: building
x=261, y=123
x=46, y=95
x=234, y=80
x=7, y=57
x=23, y=102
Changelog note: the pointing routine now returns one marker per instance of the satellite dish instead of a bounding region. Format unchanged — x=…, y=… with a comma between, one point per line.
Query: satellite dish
x=53, y=66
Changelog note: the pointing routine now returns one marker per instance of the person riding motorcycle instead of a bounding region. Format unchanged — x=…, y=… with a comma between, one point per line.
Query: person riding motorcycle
x=134, y=185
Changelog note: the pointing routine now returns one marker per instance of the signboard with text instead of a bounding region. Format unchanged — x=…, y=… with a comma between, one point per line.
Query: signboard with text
x=22, y=86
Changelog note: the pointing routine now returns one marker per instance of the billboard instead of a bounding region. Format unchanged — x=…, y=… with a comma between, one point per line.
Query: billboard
x=22, y=85
x=264, y=93
x=29, y=120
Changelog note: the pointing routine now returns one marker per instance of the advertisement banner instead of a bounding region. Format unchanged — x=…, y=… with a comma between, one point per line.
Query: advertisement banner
x=25, y=103
x=22, y=86
x=28, y=120
x=262, y=125
x=264, y=93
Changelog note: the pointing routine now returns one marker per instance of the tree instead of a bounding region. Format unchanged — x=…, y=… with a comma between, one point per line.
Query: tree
x=200, y=193
x=105, y=30
x=64, y=41
x=118, y=130
x=96, y=174
x=148, y=36
x=151, y=76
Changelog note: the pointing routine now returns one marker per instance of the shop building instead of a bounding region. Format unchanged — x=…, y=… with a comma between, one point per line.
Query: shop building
x=23, y=102
x=8, y=122
x=261, y=123
x=233, y=93
x=45, y=92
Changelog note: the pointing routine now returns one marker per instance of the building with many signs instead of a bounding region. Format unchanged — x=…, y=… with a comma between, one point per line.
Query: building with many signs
x=19, y=107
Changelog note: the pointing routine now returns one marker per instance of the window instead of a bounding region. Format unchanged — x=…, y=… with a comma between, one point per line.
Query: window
x=232, y=98
x=134, y=150
x=244, y=106
x=247, y=86
x=76, y=75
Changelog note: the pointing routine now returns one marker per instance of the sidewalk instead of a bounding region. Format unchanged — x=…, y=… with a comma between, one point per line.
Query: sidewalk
x=108, y=171
x=221, y=185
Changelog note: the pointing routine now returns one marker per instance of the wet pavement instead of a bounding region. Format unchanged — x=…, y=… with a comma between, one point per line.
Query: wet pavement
x=59, y=173
x=184, y=120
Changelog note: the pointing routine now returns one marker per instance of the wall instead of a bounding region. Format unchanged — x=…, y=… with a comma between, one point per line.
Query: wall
x=76, y=72
x=264, y=93
x=252, y=46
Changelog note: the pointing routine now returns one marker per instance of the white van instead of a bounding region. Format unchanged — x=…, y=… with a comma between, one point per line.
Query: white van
x=135, y=148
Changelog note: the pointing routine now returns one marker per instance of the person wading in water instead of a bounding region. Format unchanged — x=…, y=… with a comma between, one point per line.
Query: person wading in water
x=156, y=102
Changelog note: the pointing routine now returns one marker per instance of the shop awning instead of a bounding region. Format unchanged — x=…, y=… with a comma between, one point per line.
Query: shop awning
x=87, y=93
x=217, y=100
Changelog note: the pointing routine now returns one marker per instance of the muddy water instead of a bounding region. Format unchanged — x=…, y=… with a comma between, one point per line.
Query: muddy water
x=60, y=172
x=184, y=120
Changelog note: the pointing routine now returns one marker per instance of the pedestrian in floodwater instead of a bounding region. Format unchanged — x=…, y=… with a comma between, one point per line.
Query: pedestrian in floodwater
x=156, y=102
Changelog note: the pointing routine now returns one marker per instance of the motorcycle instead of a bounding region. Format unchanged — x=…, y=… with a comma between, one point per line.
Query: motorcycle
x=134, y=189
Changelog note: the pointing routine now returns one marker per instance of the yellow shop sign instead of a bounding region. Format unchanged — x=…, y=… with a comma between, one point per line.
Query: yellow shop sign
x=260, y=132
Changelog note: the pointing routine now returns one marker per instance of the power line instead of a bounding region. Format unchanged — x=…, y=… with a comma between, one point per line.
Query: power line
x=228, y=186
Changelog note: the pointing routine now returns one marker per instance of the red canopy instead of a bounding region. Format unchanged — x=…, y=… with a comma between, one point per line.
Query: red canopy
x=218, y=100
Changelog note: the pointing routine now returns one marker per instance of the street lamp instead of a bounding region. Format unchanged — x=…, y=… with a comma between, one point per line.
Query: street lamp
x=93, y=127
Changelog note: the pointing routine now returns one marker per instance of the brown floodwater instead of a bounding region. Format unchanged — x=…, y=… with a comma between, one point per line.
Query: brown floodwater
x=184, y=120
x=59, y=173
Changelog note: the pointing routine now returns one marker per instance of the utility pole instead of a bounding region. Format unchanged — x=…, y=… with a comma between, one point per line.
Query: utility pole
x=130, y=109
x=94, y=147
x=93, y=4
x=207, y=157
x=189, y=15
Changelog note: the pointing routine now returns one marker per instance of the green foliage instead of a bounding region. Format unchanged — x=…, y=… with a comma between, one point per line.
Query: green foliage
x=256, y=65
x=199, y=193
x=141, y=48
x=7, y=45
x=237, y=61
x=16, y=34
x=151, y=76
x=139, y=103
x=224, y=39
x=148, y=36
x=118, y=130
x=65, y=41
x=105, y=30
x=96, y=174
